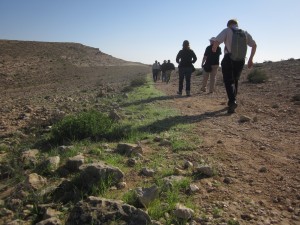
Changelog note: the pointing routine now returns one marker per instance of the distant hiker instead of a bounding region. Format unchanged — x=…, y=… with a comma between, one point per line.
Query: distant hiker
x=210, y=65
x=169, y=67
x=155, y=70
x=186, y=58
x=236, y=41
x=163, y=71
x=159, y=72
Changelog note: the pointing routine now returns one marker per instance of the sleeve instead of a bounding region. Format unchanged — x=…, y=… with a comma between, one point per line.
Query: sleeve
x=250, y=41
x=194, y=57
x=222, y=36
x=178, y=56
x=206, y=53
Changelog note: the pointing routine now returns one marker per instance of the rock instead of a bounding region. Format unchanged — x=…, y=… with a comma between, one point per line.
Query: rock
x=96, y=210
x=147, y=172
x=146, y=195
x=53, y=162
x=64, y=148
x=35, y=181
x=263, y=170
x=205, y=170
x=228, y=180
x=129, y=149
x=187, y=165
x=183, y=212
x=131, y=162
x=92, y=174
x=29, y=157
x=193, y=188
x=50, y=221
x=74, y=163
x=121, y=185
x=168, y=182
x=244, y=119
x=16, y=222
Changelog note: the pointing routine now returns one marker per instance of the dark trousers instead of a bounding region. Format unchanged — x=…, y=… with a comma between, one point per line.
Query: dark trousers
x=185, y=73
x=155, y=74
x=231, y=74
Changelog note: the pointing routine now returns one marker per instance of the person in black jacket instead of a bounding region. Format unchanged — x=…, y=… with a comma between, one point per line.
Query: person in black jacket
x=169, y=67
x=186, y=58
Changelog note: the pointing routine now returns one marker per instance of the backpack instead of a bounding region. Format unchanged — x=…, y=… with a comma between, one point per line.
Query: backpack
x=238, y=45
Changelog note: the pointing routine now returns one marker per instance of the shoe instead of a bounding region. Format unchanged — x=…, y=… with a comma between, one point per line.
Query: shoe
x=232, y=107
x=188, y=93
x=179, y=93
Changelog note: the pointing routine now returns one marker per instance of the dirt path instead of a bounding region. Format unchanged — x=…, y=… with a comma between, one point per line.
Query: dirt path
x=258, y=159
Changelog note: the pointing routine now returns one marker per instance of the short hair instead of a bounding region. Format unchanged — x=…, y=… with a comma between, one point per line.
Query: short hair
x=232, y=22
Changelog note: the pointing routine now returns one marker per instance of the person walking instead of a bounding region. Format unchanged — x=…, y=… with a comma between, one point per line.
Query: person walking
x=210, y=65
x=169, y=67
x=236, y=42
x=163, y=71
x=185, y=58
x=155, y=70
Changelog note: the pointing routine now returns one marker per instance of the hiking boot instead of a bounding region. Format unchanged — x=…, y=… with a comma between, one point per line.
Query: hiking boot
x=232, y=107
x=179, y=93
x=188, y=93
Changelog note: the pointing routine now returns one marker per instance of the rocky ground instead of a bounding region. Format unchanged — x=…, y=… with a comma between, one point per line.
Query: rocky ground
x=257, y=147
x=256, y=150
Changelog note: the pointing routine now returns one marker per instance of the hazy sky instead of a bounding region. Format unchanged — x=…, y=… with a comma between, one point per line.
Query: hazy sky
x=148, y=30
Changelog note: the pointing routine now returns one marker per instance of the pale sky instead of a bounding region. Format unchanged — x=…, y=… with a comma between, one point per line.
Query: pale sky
x=149, y=30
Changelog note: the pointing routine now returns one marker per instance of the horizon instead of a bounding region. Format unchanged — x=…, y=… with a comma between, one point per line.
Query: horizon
x=129, y=31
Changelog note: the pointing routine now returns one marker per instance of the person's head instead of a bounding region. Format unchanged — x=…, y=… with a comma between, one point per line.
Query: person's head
x=212, y=40
x=232, y=22
x=165, y=61
x=186, y=44
x=155, y=61
x=169, y=61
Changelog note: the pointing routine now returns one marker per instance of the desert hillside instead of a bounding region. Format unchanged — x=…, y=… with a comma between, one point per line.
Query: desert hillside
x=43, y=74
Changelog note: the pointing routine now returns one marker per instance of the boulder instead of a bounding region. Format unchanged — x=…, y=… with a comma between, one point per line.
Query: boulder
x=95, y=210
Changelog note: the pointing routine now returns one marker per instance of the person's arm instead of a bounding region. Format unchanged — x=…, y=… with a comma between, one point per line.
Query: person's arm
x=194, y=57
x=178, y=57
x=215, y=46
x=203, y=60
x=250, y=61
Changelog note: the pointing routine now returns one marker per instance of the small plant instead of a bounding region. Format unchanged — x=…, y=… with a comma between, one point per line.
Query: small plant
x=233, y=222
x=91, y=124
x=140, y=81
x=257, y=76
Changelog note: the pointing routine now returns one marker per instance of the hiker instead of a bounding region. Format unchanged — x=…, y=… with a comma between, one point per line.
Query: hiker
x=185, y=58
x=210, y=65
x=155, y=70
x=163, y=71
x=236, y=41
x=169, y=67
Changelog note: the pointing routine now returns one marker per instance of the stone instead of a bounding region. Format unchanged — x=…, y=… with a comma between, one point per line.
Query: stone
x=147, y=172
x=146, y=195
x=74, y=163
x=244, y=119
x=183, y=212
x=205, y=170
x=95, y=210
x=35, y=181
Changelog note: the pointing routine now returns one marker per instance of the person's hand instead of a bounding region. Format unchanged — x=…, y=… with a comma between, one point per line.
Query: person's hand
x=250, y=63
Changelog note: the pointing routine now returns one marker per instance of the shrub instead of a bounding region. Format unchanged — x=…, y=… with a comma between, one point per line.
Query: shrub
x=257, y=76
x=137, y=82
x=91, y=124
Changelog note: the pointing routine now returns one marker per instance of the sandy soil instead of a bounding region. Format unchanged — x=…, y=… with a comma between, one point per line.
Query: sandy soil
x=260, y=158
